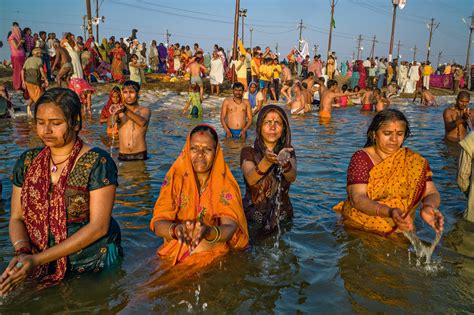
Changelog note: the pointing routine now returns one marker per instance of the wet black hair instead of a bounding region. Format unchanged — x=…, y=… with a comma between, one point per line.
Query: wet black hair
x=331, y=83
x=205, y=128
x=238, y=85
x=69, y=103
x=382, y=117
x=463, y=94
x=344, y=87
x=133, y=84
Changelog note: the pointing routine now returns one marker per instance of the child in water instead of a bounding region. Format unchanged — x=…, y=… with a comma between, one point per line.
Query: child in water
x=107, y=115
x=194, y=99
x=6, y=106
x=343, y=100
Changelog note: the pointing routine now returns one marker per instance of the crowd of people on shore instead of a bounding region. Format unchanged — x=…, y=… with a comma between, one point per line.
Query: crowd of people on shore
x=63, y=194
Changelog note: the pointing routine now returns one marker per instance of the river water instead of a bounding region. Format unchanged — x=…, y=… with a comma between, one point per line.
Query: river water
x=318, y=265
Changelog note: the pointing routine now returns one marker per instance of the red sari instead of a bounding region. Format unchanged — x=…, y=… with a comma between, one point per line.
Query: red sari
x=170, y=60
x=362, y=76
x=117, y=64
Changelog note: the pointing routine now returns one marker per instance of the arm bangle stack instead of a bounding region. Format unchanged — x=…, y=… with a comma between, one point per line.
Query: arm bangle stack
x=218, y=235
x=23, y=250
x=377, y=209
x=171, y=231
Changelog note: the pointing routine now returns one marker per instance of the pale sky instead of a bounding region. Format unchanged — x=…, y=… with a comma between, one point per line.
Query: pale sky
x=273, y=21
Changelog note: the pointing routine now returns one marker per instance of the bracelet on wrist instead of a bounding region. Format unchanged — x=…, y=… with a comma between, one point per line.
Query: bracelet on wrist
x=172, y=231
x=23, y=250
x=287, y=167
x=258, y=171
x=20, y=241
x=377, y=209
x=218, y=235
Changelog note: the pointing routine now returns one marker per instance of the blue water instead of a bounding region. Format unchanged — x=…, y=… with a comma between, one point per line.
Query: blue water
x=319, y=266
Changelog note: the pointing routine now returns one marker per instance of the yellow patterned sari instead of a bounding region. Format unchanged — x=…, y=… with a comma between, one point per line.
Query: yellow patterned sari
x=399, y=181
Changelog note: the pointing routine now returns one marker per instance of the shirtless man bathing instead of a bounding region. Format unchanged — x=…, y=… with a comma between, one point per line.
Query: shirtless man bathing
x=426, y=97
x=132, y=124
x=62, y=56
x=328, y=96
x=459, y=118
x=236, y=114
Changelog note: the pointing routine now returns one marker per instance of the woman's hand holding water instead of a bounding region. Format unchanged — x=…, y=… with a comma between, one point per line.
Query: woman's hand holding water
x=184, y=232
x=17, y=271
x=433, y=217
x=201, y=231
x=270, y=156
x=284, y=157
x=403, y=223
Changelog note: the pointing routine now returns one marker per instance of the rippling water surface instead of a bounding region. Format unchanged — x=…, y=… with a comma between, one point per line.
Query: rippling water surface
x=318, y=266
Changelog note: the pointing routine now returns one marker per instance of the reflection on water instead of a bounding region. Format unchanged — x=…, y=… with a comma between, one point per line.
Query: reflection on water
x=318, y=265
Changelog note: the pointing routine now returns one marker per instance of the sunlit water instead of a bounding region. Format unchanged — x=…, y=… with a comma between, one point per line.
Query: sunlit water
x=318, y=265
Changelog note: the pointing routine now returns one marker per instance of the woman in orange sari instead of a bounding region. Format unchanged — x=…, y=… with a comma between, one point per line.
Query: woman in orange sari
x=199, y=212
x=386, y=182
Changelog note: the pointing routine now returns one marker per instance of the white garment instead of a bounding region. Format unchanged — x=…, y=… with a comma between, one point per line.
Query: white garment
x=413, y=77
x=76, y=62
x=402, y=76
x=51, y=50
x=414, y=73
x=216, y=74
x=177, y=63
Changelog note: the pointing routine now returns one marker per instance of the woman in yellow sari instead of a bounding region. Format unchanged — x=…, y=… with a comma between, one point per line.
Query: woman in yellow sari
x=199, y=211
x=386, y=182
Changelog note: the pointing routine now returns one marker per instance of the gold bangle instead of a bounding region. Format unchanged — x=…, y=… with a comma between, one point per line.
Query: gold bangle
x=171, y=231
x=218, y=235
x=20, y=241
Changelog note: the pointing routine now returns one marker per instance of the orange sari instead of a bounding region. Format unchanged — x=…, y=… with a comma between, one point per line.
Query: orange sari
x=179, y=200
x=399, y=181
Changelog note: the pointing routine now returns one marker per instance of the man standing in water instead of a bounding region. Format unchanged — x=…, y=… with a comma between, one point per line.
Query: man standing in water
x=132, y=124
x=238, y=113
x=458, y=119
x=327, y=98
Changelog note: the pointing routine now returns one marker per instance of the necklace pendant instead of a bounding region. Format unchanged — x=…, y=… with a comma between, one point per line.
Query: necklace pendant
x=54, y=168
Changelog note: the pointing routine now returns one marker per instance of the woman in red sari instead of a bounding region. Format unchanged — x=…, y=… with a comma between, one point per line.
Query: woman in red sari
x=170, y=59
x=117, y=63
x=362, y=75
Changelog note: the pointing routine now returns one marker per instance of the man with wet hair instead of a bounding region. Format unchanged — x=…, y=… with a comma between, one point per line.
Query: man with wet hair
x=458, y=118
x=133, y=122
x=236, y=114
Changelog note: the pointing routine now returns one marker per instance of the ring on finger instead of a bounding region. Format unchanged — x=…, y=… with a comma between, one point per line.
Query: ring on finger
x=19, y=265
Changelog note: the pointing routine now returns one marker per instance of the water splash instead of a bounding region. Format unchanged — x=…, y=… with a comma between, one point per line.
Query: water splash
x=422, y=251
x=12, y=113
x=112, y=143
x=190, y=307
x=282, y=157
x=278, y=205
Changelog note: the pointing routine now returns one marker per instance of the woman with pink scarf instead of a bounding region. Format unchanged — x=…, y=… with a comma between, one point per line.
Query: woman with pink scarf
x=18, y=56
